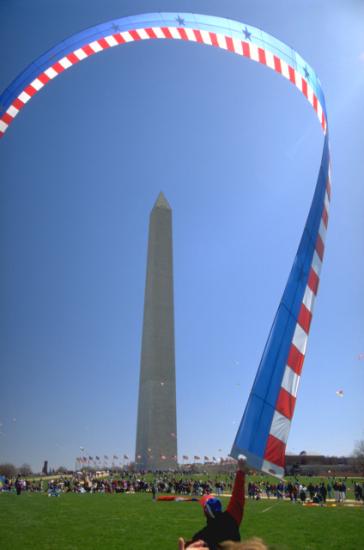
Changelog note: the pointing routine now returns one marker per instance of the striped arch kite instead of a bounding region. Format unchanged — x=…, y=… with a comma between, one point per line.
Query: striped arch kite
x=264, y=429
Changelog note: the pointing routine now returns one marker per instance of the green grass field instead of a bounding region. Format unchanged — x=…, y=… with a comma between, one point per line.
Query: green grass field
x=74, y=521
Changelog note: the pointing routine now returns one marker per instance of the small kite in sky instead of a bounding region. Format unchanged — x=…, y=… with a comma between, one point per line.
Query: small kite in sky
x=340, y=393
x=361, y=356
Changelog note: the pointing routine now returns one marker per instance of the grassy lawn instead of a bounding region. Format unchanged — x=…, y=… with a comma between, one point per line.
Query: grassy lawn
x=111, y=521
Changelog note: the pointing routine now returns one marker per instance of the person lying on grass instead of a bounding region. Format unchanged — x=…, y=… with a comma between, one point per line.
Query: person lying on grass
x=221, y=526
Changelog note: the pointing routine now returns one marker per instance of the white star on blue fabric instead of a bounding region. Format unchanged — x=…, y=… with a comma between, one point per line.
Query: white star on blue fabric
x=307, y=74
x=180, y=21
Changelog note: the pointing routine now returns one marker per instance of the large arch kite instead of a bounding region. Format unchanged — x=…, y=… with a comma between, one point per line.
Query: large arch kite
x=263, y=432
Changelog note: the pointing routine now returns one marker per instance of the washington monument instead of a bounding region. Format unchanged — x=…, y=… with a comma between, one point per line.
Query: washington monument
x=156, y=442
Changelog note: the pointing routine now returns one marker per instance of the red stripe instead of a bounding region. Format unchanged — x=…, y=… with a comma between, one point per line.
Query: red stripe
x=246, y=49
x=313, y=281
x=72, y=58
x=182, y=33
x=304, y=318
x=165, y=31
x=286, y=403
x=103, y=43
x=87, y=50
x=277, y=64
x=1, y=134
x=30, y=90
x=135, y=35
x=58, y=68
x=328, y=189
x=320, y=247
x=43, y=78
x=230, y=43
x=295, y=359
x=150, y=33
x=18, y=103
x=304, y=87
x=119, y=39
x=275, y=451
x=315, y=102
x=198, y=35
x=292, y=75
x=261, y=54
x=7, y=118
x=325, y=217
x=214, y=39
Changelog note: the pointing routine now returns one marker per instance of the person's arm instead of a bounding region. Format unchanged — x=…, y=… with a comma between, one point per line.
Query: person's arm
x=237, y=501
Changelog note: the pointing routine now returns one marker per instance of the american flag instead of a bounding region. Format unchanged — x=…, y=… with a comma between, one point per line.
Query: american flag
x=115, y=457
x=197, y=457
x=185, y=457
x=126, y=457
x=206, y=458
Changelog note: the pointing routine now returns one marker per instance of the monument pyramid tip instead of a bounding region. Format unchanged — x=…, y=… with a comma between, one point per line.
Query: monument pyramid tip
x=162, y=202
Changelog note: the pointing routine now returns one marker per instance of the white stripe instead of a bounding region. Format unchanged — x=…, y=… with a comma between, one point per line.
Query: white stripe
x=190, y=35
x=37, y=84
x=280, y=426
x=309, y=94
x=111, y=41
x=322, y=231
x=298, y=79
x=80, y=54
x=285, y=71
x=309, y=299
x=174, y=32
x=327, y=202
x=300, y=339
x=319, y=111
x=95, y=46
x=66, y=63
x=158, y=32
x=254, y=52
x=238, y=46
x=272, y=469
x=3, y=126
x=12, y=111
x=206, y=37
x=143, y=34
x=316, y=263
x=127, y=36
x=269, y=59
x=51, y=73
x=24, y=97
x=221, y=40
x=290, y=381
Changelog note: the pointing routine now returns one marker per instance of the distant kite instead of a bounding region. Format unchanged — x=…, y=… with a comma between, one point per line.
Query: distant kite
x=264, y=429
x=340, y=393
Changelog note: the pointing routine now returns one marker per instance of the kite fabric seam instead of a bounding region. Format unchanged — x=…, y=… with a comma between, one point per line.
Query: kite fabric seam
x=263, y=432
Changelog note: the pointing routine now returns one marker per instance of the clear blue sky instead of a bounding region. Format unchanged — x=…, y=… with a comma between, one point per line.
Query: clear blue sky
x=236, y=150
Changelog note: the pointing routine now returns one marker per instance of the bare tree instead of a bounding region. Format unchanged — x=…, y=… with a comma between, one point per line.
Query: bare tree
x=8, y=470
x=359, y=454
x=25, y=470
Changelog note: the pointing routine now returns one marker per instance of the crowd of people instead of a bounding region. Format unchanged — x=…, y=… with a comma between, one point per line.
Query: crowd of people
x=298, y=491
x=172, y=483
